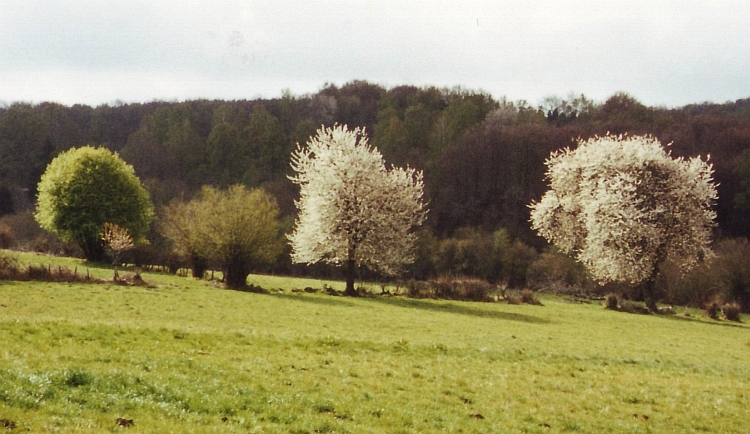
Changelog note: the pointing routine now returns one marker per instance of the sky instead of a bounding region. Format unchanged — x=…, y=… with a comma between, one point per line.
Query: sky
x=663, y=53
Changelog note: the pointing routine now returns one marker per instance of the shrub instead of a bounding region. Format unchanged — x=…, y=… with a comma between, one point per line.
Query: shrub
x=22, y=228
x=418, y=289
x=725, y=277
x=451, y=289
x=516, y=260
x=472, y=290
x=558, y=273
x=733, y=267
x=630, y=307
x=469, y=253
x=525, y=296
x=512, y=298
x=529, y=297
x=9, y=266
x=695, y=288
x=493, y=257
x=6, y=237
x=443, y=288
x=712, y=310
x=423, y=266
x=731, y=312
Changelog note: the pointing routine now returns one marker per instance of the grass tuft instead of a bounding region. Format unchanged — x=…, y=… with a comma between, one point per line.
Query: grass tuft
x=77, y=378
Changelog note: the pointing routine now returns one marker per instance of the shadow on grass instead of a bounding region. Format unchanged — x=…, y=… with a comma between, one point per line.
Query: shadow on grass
x=327, y=301
x=455, y=307
x=697, y=320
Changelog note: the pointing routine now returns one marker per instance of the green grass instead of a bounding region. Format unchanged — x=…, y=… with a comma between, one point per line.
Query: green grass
x=188, y=356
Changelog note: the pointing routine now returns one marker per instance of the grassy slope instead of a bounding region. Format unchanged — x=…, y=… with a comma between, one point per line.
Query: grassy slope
x=183, y=355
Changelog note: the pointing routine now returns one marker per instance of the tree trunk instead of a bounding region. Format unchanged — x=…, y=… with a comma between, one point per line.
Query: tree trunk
x=92, y=249
x=198, y=266
x=648, y=291
x=235, y=274
x=350, y=278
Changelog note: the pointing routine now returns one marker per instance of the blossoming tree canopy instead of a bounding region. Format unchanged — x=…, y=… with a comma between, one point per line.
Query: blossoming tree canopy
x=622, y=205
x=352, y=210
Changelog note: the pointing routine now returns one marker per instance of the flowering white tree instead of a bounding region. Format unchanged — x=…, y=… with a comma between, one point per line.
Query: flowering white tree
x=622, y=205
x=117, y=240
x=352, y=210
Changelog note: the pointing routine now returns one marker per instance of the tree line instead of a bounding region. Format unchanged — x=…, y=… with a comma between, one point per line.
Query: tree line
x=483, y=158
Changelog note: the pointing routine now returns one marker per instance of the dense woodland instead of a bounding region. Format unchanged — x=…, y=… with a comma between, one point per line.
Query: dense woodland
x=483, y=158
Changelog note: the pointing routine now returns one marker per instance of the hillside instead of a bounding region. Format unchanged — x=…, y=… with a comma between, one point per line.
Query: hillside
x=186, y=356
x=483, y=157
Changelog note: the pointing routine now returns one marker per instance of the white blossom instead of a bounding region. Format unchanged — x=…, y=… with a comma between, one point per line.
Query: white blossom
x=351, y=207
x=622, y=205
x=117, y=240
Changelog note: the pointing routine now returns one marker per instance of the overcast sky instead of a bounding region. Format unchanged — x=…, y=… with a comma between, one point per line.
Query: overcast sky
x=667, y=53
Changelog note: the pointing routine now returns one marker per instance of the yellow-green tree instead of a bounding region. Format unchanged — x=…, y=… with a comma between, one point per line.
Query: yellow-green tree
x=236, y=228
x=84, y=188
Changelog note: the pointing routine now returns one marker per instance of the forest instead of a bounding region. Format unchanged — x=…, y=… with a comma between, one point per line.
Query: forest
x=483, y=159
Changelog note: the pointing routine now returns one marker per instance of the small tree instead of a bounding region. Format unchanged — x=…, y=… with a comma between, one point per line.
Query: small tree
x=623, y=206
x=236, y=228
x=352, y=210
x=116, y=242
x=86, y=187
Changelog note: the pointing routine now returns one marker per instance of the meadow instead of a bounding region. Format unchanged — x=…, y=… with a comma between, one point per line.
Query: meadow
x=184, y=355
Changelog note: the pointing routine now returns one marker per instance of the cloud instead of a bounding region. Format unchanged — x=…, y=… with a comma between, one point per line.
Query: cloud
x=661, y=52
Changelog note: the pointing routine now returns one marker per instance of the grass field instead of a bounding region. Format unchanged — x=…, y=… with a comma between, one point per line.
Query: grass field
x=187, y=356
